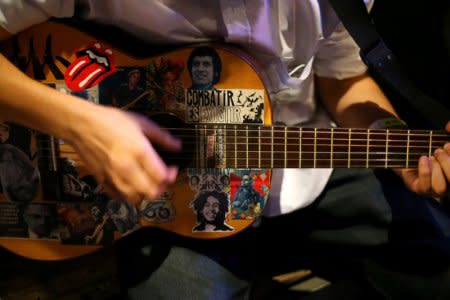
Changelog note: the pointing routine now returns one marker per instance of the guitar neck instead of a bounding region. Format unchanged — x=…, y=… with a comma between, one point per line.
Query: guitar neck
x=238, y=146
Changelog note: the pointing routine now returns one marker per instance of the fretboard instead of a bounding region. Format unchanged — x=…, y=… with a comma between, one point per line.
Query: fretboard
x=242, y=146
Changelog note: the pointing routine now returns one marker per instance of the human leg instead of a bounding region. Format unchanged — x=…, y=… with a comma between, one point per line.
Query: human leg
x=159, y=265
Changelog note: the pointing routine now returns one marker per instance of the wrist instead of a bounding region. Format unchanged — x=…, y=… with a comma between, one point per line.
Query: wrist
x=79, y=119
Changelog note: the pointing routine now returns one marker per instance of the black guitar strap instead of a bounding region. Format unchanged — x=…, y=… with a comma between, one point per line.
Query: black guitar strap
x=383, y=63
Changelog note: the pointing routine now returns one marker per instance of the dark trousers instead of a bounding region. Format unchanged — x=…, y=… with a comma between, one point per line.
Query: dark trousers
x=357, y=234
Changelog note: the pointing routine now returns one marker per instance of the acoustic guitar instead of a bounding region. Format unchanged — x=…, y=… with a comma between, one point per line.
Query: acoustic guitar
x=212, y=97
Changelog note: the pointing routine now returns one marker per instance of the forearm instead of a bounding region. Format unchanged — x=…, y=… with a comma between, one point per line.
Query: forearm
x=35, y=105
x=355, y=102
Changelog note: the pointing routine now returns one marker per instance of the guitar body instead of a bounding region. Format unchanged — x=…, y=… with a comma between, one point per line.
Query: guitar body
x=71, y=213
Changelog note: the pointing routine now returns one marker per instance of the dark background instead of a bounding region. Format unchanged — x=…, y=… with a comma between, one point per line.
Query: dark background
x=418, y=32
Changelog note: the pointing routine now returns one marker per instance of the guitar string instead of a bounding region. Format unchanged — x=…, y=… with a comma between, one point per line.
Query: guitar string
x=335, y=149
x=281, y=161
x=354, y=155
x=364, y=132
x=295, y=130
x=318, y=139
x=413, y=145
x=336, y=159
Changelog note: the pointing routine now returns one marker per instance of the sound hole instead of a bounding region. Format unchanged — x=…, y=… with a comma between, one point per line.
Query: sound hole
x=184, y=132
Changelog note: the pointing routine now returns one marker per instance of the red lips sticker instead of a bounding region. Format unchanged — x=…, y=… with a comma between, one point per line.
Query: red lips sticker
x=90, y=66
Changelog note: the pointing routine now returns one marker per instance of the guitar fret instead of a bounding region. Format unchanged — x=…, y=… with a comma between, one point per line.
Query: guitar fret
x=407, y=149
x=225, y=146
x=387, y=149
x=235, y=147
x=271, y=152
x=315, y=148
x=259, y=147
x=285, y=146
x=300, y=134
x=367, y=148
x=430, y=144
x=331, y=147
x=349, y=147
x=246, y=147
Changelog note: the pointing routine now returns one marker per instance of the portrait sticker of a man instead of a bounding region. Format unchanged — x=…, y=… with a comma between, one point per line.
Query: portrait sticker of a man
x=124, y=216
x=247, y=195
x=19, y=177
x=41, y=221
x=204, y=67
x=211, y=208
x=129, y=90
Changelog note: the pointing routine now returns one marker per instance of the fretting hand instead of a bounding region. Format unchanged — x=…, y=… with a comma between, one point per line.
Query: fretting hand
x=432, y=176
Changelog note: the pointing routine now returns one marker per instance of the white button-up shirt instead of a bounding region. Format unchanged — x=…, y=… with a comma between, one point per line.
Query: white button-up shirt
x=292, y=39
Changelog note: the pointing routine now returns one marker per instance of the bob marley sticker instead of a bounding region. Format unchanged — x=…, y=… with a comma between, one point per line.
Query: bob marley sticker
x=211, y=209
x=211, y=204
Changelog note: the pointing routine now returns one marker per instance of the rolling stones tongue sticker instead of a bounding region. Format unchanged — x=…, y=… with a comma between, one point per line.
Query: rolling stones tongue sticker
x=90, y=66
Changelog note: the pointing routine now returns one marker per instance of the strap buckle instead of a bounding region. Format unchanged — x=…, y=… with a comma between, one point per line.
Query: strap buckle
x=377, y=56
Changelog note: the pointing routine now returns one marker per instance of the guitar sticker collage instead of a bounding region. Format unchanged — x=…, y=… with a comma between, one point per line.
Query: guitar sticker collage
x=47, y=193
